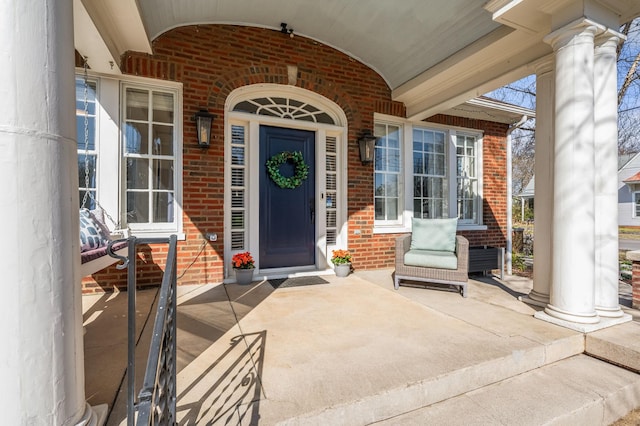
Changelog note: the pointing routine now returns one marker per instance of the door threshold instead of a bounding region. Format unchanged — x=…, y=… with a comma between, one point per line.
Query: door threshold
x=267, y=274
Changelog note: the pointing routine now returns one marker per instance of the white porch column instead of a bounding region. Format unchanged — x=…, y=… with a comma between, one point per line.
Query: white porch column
x=543, y=200
x=42, y=367
x=572, y=296
x=606, y=158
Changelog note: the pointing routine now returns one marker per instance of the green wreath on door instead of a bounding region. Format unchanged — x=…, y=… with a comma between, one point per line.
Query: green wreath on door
x=299, y=175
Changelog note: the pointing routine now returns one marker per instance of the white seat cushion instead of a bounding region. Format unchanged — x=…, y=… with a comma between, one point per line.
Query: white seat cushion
x=431, y=259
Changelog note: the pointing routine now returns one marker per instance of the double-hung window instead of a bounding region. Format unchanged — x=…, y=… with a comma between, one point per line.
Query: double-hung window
x=149, y=156
x=429, y=174
x=434, y=173
x=86, y=137
x=636, y=204
x=467, y=179
x=387, y=205
x=130, y=161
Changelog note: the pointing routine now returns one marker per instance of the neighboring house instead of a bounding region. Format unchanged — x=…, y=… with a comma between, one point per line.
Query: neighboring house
x=526, y=195
x=629, y=190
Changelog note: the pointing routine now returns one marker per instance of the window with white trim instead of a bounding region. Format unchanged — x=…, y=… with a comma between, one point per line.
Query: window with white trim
x=86, y=138
x=149, y=156
x=429, y=174
x=132, y=154
x=440, y=176
x=636, y=204
x=387, y=199
x=466, y=179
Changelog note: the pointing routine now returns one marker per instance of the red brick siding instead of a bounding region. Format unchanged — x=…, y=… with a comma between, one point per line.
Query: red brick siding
x=635, y=284
x=213, y=60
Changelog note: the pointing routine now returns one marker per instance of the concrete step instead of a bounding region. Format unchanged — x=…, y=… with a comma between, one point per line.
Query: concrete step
x=388, y=403
x=580, y=390
x=617, y=345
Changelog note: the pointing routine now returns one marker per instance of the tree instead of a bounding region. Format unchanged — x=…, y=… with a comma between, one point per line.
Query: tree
x=629, y=89
x=523, y=93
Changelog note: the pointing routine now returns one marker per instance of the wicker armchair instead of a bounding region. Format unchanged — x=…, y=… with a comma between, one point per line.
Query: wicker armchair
x=458, y=277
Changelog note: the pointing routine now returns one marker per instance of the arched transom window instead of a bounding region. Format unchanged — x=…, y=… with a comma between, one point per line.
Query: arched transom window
x=284, y=108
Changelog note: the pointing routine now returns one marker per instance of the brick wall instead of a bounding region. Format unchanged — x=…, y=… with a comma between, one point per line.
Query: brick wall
x=634, y=256
x=213, y=60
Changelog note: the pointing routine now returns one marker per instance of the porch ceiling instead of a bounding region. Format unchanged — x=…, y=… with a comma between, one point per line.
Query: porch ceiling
x=433, y=54
x=398, y=39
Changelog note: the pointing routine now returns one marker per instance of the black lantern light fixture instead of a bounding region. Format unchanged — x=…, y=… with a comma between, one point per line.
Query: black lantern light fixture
x=367, y=143
x=203, y=128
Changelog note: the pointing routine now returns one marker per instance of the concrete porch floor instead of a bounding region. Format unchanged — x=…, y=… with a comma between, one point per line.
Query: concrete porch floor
x=354, y=351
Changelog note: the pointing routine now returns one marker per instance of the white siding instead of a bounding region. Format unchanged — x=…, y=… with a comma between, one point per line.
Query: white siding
x=625, y=217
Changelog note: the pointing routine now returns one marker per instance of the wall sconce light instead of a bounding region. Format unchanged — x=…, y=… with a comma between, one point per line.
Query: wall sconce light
x=285, y=30
x=203, y=128
x=367, y=143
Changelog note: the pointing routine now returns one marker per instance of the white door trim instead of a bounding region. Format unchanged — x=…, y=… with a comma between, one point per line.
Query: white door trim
x=252, y=123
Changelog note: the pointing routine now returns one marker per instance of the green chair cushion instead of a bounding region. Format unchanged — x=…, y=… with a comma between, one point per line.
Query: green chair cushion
x=434, y=234
x=431, y=259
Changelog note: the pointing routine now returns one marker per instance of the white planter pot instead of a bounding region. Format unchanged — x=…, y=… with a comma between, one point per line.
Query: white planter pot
x=244, y=276
x=342, y=270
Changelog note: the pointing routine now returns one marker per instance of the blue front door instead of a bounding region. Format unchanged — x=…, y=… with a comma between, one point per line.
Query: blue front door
x=287, y=216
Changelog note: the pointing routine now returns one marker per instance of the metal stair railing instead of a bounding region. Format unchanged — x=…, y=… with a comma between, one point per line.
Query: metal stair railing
x=157, y=398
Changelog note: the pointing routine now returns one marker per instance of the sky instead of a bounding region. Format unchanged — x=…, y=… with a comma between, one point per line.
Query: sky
x=631, y=102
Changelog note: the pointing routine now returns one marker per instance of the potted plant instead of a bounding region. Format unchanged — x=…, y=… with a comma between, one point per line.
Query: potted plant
x=341, y=260
x=243, y=265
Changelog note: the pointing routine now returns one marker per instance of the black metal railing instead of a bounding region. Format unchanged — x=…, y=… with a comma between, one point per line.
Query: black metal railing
x=157, y=399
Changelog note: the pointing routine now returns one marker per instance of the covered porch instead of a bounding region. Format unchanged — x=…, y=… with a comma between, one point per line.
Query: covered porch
x=361, y=352
x=453, y=57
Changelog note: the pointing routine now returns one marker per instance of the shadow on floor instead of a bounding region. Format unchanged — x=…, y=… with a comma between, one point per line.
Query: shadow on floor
x=205, y=314
x=491, y=280
x=105, y=341
x=229, y=391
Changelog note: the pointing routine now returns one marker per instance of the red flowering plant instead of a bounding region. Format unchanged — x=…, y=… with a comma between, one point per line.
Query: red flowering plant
x=242, y=261
x=340, y=257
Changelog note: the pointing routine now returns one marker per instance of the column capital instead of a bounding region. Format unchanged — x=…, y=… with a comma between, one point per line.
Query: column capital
x=580, y=27
x=544, y=65
x=609, y=38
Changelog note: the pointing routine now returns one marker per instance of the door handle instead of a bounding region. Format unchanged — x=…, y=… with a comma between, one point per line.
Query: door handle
x=312, y=210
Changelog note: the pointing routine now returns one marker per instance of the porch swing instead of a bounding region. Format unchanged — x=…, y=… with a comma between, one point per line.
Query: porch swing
x=97, y=246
